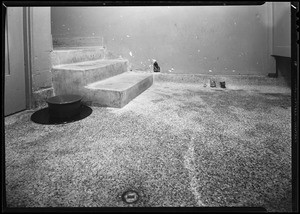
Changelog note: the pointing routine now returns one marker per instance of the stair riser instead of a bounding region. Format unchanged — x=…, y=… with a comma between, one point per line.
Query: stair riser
x=77, y=41
x=59, y=57
x=116, y=99
x=103, y=98
x=63, y=84
x=98, y=98
x=70, y=80
x=136, y=90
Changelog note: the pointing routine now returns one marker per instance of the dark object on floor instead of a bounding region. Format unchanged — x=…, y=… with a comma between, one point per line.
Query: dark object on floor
x=273, y=75
x=130, y=196
x=212, y=83
x=64, y=106
x=156, y=68
x=43, y=116
x=222, y=85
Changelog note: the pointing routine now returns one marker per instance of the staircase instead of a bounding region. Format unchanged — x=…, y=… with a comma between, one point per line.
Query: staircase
x=102, y=82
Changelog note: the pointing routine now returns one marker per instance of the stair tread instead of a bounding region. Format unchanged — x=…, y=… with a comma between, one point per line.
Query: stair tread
x=119, y=82
x=88, y=64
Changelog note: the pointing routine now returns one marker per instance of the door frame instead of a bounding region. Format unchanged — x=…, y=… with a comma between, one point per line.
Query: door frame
x=27, y=26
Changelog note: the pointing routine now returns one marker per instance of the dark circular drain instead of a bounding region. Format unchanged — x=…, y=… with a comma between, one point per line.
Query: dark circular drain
x=130, y=196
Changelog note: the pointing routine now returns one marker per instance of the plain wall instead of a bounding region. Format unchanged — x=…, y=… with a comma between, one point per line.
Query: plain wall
x=41, y=47
x=282, y=29
x=184, y=39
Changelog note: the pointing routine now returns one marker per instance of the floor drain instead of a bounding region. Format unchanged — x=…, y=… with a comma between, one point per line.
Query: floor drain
x=130, y=196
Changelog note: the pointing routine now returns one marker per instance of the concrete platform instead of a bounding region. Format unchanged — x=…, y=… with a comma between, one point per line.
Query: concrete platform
x=70, y=78
x=119, y=90
x=68, y=55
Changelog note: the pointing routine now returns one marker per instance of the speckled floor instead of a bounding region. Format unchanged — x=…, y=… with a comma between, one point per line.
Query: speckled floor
x=177, y=144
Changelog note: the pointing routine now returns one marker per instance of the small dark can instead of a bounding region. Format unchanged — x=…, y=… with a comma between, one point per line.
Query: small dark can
x=156, y=68
x=222, y=85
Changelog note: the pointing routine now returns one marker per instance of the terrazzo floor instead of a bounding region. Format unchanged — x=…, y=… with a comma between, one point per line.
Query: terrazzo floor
x=177, y=145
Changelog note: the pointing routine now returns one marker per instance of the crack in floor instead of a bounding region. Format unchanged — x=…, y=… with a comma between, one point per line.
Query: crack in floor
x=189, y=163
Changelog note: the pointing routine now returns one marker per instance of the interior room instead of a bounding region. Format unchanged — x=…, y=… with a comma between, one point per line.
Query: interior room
x=148, y=106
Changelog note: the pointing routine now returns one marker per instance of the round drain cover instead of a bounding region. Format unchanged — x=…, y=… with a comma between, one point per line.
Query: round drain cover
x=130, y=196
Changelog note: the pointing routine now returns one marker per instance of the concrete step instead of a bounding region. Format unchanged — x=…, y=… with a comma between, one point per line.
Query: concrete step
x=117, y=91
x=68, y=55
x=69, y=78
x=62, y=41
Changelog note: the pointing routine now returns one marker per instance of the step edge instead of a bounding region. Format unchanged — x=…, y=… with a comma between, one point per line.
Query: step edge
x=126, y=95
x=90, y=87
x=78, y=48
x=61, y=66
x=124, y=73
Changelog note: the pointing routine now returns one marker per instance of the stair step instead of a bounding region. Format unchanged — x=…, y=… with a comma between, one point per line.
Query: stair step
x=68, y=55
x=117, y=91
x=76, y=41
x=68, y=78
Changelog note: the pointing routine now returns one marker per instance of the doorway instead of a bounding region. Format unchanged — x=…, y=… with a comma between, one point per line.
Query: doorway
x=15, y=86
